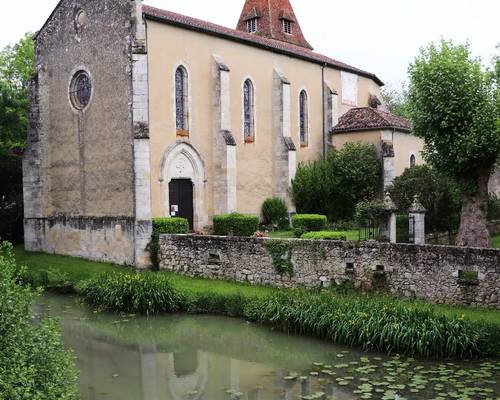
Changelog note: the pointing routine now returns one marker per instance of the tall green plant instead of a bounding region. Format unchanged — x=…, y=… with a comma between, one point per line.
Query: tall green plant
x=333, y=186
x=454, y=109
x=16, y=68
x=33, y=362
x=439, y=194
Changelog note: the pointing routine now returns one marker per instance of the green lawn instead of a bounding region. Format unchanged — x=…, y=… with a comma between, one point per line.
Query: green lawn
x=496, y=241
x=77, y=270
x=288, y=234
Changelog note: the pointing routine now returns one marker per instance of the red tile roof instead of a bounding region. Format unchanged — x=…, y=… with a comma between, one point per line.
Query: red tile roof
x=367, y=118
x=171, y=18
x=270, y=14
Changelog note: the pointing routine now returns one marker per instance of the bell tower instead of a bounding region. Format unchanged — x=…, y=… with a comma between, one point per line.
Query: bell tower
x=272, y=19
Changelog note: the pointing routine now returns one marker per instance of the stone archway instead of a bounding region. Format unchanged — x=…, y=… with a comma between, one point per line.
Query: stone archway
x=182, y=161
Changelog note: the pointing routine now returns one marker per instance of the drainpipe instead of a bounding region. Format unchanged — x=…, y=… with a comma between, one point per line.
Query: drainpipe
x=323, y=106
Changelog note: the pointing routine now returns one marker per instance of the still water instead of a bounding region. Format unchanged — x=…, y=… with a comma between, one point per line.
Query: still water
x=125, y=357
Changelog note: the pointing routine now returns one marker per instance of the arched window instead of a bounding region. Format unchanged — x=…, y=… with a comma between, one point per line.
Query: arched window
x=249, y=111
x=413, y=160
x=181, y=102
x=304, y=119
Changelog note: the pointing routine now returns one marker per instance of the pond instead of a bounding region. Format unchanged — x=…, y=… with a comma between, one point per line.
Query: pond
x=190, y=357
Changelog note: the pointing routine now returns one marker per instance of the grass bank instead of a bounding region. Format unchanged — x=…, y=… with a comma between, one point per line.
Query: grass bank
x=369, y=321
x=495, y=241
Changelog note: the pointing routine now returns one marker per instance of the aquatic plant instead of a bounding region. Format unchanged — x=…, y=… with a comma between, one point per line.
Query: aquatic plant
x=145, y=293
x=367, y=321
x=373, y=323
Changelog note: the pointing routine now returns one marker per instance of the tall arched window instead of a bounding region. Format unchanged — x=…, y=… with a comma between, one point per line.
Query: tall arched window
x=303, y=119
x=249, y=111
x=413, y=160
x=181, y=101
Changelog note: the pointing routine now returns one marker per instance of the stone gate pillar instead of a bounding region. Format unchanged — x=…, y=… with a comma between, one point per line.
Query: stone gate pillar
x=389, y=223
x=417, y=222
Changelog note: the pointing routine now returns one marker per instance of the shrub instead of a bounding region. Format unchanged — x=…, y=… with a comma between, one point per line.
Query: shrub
x=33, y=361
x=309, y=222
x=162, y=226
x=236, y=225
x=275, y=212
x=171, y=226
x=369, y=211
x=325, y=235
x=493, y=208
x=333, y=186
x=438, y=194
x=11, y=197
x=146, y=292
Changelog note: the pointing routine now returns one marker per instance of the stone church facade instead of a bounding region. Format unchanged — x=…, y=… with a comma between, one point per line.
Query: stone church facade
x=138, y=112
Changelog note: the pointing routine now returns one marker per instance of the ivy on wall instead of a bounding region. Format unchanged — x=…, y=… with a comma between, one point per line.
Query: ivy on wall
x=281, y=254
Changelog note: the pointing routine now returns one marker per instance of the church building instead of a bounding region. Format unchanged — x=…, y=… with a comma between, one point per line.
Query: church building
x=138, y=112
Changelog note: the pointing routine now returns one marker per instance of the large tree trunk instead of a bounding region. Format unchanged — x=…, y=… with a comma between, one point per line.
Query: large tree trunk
x=473, y=230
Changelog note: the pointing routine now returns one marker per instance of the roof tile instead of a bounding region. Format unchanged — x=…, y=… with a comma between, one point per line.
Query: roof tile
x=367, y=118
x=289, y=49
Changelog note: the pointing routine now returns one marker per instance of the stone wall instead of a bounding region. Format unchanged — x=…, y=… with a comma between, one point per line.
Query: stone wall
x=433, y=273
x=82, y=164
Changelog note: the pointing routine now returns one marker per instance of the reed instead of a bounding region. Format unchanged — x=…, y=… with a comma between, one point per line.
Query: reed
x=372, y=322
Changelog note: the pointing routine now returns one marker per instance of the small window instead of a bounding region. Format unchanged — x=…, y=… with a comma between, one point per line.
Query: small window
x=181, y=102
x=80, y=91
x=252, y=25
x=287, y=26
x=249, y=111
x=413, y=160
x=304, y=119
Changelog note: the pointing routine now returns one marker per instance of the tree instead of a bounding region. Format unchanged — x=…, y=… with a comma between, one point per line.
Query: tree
x=333, y=186
x=440, y=196
x=452, y=107
x=16, y=68
x=396, y=100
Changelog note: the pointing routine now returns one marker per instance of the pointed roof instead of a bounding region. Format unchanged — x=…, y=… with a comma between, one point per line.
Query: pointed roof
x=270, y=14
x=367, y=118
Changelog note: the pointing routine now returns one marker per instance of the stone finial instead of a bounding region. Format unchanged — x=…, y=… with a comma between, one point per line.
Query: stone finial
x=417, y=207
x=389, y=203
x=374, y=101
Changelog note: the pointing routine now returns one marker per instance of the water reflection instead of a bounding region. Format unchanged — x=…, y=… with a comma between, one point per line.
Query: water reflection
x=212, y=358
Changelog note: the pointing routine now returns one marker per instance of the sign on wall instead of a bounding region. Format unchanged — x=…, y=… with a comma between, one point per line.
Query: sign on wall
x=349, y=88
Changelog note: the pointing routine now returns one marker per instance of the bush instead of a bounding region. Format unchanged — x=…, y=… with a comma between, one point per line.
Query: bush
x=146, y=292
x=309, y=222
x=370, y=211
x=494, y=208
x=440, y=196
x=171, y=226
x=325, y=235
x=33, y=361
x=236, y=225
x=333, y=186
x=162, y=226
x=275, y=212
x=11, y=197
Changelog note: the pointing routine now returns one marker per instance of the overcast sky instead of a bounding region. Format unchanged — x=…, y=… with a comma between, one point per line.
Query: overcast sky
x=381, y=36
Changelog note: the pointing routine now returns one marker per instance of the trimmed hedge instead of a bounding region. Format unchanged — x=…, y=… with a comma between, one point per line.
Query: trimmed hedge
x=235, y=225
x=325, y=235
x=170, y=226
x=167, y=226
x=309, y=222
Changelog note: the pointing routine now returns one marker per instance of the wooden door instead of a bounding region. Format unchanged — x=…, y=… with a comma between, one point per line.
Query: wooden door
x=181, y=200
